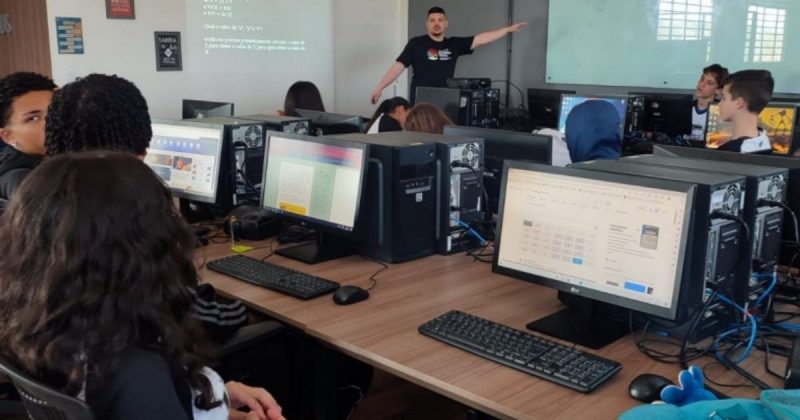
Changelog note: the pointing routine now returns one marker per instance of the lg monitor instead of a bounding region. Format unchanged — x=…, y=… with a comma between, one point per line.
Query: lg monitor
x=187, y=157
x=668, y=113
x=778, y=120
x=316, y=181
x=616, y=239
x=568, y=102
x=327, y=123
x=193, y=108
x=544, y=106
x=503, y=145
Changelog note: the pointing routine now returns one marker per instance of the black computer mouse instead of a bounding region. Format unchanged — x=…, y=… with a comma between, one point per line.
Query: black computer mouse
x=647, y=387
x=346, y=295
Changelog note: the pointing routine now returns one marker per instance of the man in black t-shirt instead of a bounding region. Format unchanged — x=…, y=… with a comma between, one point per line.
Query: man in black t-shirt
x=433, y=56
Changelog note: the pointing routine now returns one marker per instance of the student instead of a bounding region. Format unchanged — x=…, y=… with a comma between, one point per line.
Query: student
x=24, y=98
x=390, y=116
x=302, y=95
x=593, y=131
x=433, y=56
x=109, y=113
x=96, y=302
x=427, y=118
x=744, y=95
x=708, y=88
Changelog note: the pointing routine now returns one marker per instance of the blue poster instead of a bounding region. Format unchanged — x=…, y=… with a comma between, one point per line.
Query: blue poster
x=69, y=35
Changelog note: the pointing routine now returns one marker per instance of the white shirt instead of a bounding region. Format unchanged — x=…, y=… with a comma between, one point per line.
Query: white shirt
x=560, y=154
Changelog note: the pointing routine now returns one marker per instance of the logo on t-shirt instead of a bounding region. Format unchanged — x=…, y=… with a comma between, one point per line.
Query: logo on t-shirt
x=439, y=55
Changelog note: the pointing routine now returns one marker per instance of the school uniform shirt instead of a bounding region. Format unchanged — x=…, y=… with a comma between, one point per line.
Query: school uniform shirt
x=383, y=124
x=699, y=121
x=758, y=144
x=433, y=61
x=14, y=166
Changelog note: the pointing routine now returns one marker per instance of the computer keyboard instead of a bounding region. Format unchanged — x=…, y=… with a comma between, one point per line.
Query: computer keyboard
x=520, y=350
x=273, y=277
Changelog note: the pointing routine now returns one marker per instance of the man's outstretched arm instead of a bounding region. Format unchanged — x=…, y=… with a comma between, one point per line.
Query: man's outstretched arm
x=484, y=38
x=391, y=75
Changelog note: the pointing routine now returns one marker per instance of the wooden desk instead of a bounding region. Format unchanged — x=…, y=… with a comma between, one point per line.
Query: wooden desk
x=382, y=331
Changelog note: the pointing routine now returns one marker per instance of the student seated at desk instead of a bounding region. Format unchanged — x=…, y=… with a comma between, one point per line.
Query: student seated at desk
x=708, y=88
x=744, y=95
x=390, y=116
x=427, y=118
x=301, y=95
x=593, y=132
x=96, y=302
x=24, y=98
x=109, y=113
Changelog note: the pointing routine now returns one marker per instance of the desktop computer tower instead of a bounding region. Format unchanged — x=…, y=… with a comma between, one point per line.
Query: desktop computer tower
x=765, y=185
x=460, y=200
x=470, y=107
x=716, y=243
x=243, y=154
x=397, y=214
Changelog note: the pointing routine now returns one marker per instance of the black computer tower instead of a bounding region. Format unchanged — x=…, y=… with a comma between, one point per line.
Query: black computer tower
x=460, y=194
x=716, y=244
x=470, y=107
x=764, y=185
x=398, y=206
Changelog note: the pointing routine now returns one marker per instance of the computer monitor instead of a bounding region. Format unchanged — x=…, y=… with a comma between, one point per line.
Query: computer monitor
x=193, y=108
x=544, y=106
x=502, y=145
x=668, y=113
x=316, y=181
x=568, y=102
x=778, y=120
x=326, y=123
x=187, y=157
x=616, y=239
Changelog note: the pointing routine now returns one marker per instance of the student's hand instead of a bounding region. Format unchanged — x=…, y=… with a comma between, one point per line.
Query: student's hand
x=375, y=96
x=517, y=27
x=261, y=404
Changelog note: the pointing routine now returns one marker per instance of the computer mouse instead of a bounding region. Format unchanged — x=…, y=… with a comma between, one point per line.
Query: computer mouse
x=346, y=295
x=647, y=387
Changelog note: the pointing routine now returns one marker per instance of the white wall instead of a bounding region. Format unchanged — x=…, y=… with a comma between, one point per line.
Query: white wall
x=367, y=37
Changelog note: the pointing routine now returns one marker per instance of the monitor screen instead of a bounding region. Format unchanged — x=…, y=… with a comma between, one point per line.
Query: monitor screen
x=778, y=120
x=544, y=106
x=329, y=123
x=669, y=113
x=205, y=109
x=314, y=179
x=568, y=102
x=187, y=158
x=619, y=243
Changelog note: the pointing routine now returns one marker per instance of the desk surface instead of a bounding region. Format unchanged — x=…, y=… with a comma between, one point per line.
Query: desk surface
x=382, y=331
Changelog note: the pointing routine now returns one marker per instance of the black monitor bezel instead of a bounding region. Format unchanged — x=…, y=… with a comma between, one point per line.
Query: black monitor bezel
x=221, y=145
x=546, y=93
x=683, y=263
x=317, y=224
x=210, y=105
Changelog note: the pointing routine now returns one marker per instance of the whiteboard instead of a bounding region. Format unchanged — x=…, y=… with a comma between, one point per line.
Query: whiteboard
x=666, y=43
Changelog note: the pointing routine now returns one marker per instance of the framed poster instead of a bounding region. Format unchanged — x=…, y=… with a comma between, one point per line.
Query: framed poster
x=120, y=9
x=168, y=51
x=69, y=35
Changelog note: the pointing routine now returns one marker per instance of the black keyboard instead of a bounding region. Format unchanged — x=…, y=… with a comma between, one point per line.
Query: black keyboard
x=520, y=350
x=273, y=277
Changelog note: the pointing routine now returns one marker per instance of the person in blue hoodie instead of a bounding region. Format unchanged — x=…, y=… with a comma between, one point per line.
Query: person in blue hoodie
x=593, y=131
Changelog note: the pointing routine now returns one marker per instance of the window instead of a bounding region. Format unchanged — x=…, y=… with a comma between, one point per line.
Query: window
x=684, y=20
x=765, y=34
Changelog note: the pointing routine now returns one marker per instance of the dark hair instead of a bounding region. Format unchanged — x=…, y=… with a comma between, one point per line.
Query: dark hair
x=17, y=84
x=427, y=118
x=719, y=72
x=101, y=262
x=436, y=9
x=98, y=112
x=302, y=95
x=754, y=86
x=388, y=106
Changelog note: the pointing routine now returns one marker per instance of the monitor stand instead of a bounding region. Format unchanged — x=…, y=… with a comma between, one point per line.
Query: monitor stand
x=325, y=247
x=586, y=322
